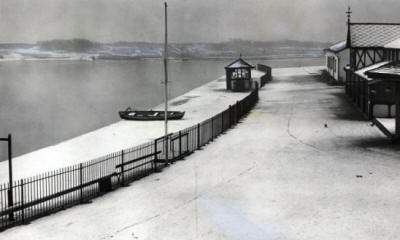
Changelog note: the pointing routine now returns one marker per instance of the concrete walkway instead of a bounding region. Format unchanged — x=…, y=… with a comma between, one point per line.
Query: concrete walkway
x=302, y=165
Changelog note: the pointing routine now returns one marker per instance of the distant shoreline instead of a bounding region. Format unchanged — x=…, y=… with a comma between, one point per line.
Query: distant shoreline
x=155, y=58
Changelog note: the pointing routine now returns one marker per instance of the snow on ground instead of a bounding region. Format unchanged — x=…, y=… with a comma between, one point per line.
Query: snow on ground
x=199, y=105
x=302, y=165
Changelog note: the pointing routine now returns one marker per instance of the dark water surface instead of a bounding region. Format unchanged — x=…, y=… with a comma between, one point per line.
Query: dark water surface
x=46, y=102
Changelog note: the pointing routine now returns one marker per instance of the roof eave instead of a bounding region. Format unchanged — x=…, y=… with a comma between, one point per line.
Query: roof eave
x=373, y=23
x=239, y=59
x=384, y=76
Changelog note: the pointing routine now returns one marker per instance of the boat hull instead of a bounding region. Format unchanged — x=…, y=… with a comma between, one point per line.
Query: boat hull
x=150, y=115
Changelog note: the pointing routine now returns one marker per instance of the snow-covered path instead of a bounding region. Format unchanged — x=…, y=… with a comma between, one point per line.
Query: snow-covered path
x=302, y=165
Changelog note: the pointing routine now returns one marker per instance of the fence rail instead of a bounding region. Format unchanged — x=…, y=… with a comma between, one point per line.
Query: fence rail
x=49, y=192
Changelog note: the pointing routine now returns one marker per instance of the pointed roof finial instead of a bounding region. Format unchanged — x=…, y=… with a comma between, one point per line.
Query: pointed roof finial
x=240, y=55
x=349, y=12
x=348, y=41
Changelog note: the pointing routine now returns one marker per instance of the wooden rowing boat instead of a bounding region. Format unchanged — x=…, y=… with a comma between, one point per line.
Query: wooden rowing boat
x=143, y=115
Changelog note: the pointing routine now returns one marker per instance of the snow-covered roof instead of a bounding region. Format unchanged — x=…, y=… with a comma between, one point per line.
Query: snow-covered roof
x=373, y=34
x=337, y=47
x=390, y=70
x=239, y=63
x=394, y=45
x=362, y=71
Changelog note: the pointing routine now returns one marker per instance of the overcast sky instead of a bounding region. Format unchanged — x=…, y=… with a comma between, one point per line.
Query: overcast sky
x=189, y=20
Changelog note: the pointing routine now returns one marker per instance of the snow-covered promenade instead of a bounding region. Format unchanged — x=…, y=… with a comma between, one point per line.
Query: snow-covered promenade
x=199, y=104
x=302, y=165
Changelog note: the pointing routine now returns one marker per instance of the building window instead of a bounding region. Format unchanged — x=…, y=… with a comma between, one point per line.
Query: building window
x=240, y=73
x=334, y=64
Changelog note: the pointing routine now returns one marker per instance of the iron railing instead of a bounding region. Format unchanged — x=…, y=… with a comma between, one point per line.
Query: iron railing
x=52, y=191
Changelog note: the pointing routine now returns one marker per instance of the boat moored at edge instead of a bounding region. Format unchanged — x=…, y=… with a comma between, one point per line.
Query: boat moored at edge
x=149, y=115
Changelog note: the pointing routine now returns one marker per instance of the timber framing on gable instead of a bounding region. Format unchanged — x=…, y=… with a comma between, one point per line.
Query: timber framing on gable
x=364, y=57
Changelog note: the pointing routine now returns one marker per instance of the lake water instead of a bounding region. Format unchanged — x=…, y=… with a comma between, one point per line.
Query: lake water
x=46, y=102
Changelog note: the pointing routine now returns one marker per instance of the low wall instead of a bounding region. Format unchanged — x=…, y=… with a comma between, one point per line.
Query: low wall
x=268, y=73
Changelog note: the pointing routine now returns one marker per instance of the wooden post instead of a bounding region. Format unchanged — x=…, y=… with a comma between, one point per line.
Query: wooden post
x=397, y=96
x=370, y=110
x=155, y=157
x=10, y=172
x=366, y=98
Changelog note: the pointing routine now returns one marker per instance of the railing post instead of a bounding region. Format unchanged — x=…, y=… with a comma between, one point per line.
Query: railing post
x=180, y=145
x=155, y=156
x=22, y=201
x=10, y=204
x=81, y=181
x=155, y=160
x=198, y=137
x=122, y=167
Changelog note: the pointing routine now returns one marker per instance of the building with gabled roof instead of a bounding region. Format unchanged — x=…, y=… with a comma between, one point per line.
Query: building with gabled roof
x=368, y=41
x=373, y=75
x=337, y=57
x=371, y=45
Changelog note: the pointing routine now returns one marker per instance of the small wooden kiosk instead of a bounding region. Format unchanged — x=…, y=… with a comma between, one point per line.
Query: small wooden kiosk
x=238, y=76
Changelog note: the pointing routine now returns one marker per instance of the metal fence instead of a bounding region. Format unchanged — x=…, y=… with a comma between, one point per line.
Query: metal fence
x=49, y=192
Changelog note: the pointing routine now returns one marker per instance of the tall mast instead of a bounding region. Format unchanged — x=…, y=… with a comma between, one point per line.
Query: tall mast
x=166, y=72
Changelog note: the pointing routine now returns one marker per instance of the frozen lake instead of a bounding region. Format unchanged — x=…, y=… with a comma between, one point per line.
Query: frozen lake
x=46, y=102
